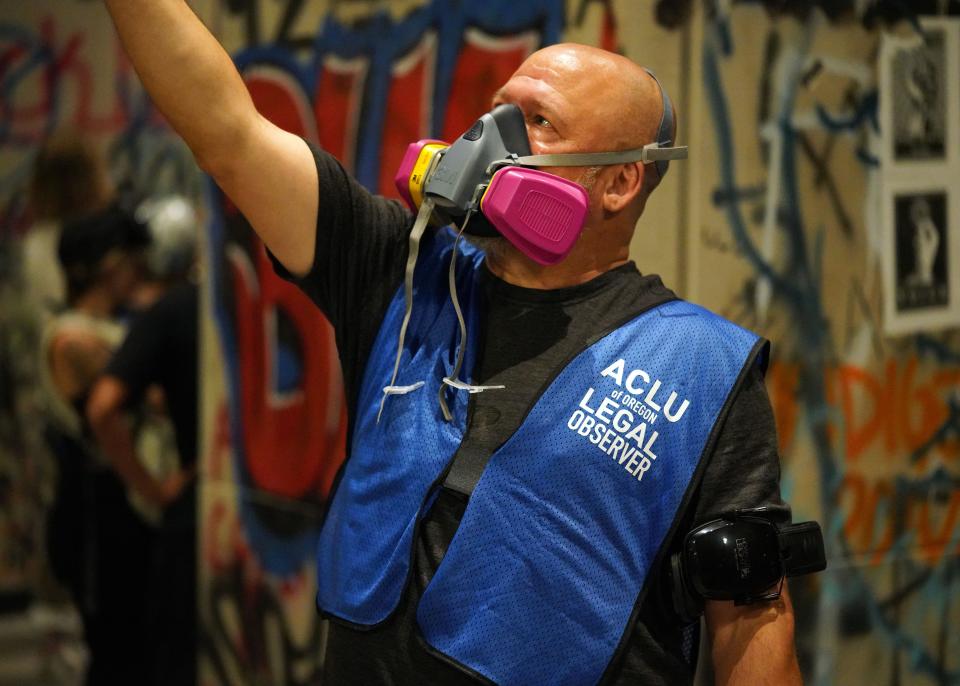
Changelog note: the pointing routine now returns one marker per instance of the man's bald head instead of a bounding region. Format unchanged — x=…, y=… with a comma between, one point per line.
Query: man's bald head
x=577, y=98
x=608, y=95
x=618, y=97
x=593, y=99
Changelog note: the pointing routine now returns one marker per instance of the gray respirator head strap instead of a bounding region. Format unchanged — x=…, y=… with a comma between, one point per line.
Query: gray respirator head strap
x=658, y=153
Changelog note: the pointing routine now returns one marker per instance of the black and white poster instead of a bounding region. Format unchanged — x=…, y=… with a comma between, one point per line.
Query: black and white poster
x=921, y=256
x=920, y=134
x=922, y=241
x=919, y=98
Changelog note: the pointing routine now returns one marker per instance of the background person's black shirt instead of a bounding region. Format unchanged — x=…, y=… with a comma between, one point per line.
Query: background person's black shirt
x=360, y=256
x=161, y=348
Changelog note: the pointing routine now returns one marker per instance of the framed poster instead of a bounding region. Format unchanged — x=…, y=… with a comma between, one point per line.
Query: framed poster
x=922, y=257
x=920, y=125
x=918, y=99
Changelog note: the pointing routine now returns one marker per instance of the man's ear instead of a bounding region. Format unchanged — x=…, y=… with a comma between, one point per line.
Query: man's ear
x=623, y=187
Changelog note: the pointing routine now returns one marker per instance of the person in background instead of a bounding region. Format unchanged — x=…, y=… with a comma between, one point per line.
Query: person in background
x=69, y=180
x=99, y=547
x=160, y=350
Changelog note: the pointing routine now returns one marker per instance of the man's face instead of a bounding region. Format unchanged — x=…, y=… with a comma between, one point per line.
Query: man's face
x=576, y=98
x=580, y=99
x=547, y=92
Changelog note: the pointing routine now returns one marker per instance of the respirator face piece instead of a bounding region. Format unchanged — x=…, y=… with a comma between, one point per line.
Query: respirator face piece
x=490, y=177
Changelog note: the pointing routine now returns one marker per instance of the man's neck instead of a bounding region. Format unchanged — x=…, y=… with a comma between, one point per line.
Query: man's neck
x=581, y=266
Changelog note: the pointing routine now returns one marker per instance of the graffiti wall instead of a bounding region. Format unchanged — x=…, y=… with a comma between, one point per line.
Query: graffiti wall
x=789, y=192
x=774, y=222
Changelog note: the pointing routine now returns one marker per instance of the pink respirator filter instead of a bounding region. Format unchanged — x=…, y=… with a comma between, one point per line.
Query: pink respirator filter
x=542, y=214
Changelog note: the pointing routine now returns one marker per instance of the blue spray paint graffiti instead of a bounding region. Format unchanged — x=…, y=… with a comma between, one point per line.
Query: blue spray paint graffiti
x=796, y=282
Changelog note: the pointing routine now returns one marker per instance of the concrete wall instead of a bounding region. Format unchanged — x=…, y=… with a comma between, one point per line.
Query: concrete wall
x=773, y=222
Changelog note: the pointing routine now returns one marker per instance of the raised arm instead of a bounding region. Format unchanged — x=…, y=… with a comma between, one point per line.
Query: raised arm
x=269, y=174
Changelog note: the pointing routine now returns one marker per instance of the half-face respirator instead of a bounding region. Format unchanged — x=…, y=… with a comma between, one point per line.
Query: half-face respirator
x=489, y=176
x=487, y=183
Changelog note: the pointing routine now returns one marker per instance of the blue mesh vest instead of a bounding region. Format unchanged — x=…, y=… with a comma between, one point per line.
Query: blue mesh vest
x=544, y=577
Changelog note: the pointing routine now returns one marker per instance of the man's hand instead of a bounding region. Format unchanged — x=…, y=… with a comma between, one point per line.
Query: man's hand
x=268, y=173
x=753, y=644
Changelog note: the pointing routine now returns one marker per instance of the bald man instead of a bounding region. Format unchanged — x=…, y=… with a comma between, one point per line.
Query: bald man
x=501, y=545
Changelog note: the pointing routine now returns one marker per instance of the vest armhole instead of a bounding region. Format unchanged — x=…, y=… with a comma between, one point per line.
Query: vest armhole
x=446, y=659
x=762, y=356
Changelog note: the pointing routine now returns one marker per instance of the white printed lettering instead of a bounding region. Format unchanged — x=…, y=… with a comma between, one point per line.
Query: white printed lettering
x=615, y=372
x=605, y=441
x=623, y=420
x=683, y=408
x=648, y=448
x=617, y=444
x=644, y=466
x=586, y=399
x=638, y=434
x=598, y=433
x=653, y=391
x=633, y=375
x=605, y=411
x=587, y=424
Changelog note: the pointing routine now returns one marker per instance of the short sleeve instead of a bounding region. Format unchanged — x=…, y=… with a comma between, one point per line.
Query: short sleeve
x=744, y=469
x=358, y=264
x=361, y=242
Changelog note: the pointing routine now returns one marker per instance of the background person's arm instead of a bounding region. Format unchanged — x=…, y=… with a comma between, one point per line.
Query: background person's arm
x=753, y=644
x=269, y=174
x=111, y=427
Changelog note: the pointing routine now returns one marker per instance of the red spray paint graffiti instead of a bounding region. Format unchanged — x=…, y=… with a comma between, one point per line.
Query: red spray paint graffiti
x=883, y=421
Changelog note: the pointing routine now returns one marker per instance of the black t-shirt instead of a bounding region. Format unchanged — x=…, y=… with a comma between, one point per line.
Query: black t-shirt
x=161, y=348
x=527, y=333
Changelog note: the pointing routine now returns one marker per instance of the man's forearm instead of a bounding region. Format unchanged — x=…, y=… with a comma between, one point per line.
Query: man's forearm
x=269, y=174
x=187, y=73
x=753, y=644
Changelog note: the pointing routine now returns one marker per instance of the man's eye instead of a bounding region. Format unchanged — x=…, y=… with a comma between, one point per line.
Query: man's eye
x=541, y=121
